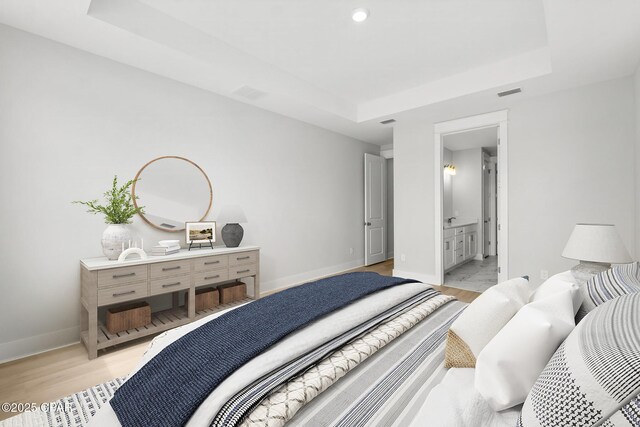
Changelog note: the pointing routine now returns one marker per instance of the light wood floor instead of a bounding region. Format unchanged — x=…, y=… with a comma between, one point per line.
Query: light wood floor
x=58, y=373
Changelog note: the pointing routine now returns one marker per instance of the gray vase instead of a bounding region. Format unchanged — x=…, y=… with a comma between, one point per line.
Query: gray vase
x=232, y=235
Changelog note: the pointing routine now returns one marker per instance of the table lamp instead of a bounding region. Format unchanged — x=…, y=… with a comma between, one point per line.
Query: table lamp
x=596, y=246
x=232, y=232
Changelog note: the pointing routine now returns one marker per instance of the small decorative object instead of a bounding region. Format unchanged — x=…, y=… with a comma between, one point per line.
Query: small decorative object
x=596, y=246
x=132, y=251
x=128, y=316
x=169, y=243
x=117, y=212
x=199, y=233
x=232, y=232
x=205, y=298
x=232, y=292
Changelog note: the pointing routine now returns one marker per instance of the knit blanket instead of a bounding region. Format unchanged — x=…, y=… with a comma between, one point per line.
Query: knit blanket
x=171, y=386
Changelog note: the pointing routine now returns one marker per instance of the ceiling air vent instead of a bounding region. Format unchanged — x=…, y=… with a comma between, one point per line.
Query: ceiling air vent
x=509, y=92
x=249, y=93
x=388, y=121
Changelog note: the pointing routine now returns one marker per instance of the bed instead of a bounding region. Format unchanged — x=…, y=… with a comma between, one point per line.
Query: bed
x=372, y=361
x=364, y=349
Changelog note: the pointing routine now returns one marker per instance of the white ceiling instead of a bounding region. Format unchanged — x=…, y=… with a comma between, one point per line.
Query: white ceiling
x=476, y=138
x=312, y=63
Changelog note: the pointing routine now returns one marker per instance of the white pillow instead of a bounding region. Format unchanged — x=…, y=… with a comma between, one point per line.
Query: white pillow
x=511, y=363
x=560, y=282
x=483, y=319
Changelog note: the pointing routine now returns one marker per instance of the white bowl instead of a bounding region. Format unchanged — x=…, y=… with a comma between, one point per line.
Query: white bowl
x=168, y=243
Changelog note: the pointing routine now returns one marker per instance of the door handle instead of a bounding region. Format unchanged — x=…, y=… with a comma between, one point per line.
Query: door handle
x=367, y=223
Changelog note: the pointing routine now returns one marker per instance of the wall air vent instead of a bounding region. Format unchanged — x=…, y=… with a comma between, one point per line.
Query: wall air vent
x=510, y=92
x=388, y=121
x=249, y=93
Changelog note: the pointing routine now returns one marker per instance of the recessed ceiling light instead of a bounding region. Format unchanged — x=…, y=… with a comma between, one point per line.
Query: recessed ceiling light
x=360, y=14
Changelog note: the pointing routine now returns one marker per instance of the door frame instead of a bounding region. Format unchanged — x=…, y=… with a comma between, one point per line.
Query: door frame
x=497, y=118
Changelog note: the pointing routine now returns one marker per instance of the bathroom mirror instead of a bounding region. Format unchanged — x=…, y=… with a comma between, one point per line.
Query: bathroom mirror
x=173, y=190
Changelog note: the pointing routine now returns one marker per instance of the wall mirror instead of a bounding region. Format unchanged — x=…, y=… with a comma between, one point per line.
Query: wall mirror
x=173, y=190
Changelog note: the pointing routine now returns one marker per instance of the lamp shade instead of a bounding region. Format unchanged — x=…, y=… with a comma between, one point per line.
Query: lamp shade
x=596, y=243
x=231, y=214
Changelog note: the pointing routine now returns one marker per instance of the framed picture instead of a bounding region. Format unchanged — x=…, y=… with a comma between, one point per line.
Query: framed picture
x=200, y=232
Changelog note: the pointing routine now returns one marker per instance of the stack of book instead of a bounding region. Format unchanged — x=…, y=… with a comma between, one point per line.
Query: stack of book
x=161, y=250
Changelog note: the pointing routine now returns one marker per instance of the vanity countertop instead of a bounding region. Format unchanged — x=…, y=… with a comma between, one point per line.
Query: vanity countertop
x=459, y=224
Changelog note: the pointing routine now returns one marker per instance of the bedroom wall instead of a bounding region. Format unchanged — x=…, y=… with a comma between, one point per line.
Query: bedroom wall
x=637, y=106
x=71, y=120
x=569, y=161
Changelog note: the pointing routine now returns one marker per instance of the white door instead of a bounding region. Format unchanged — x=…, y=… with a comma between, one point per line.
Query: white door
x=486, y=205
x=375, y=208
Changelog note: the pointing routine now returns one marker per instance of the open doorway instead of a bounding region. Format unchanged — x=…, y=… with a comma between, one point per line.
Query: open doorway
x=470, y=262
x=471, y=214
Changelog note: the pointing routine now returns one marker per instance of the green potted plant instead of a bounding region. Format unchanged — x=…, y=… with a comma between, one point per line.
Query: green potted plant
x=118, y=212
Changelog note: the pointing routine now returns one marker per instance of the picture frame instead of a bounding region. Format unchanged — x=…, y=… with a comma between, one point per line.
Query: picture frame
x=199, y=233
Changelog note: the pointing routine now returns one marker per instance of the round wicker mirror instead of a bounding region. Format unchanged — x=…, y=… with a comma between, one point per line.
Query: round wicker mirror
x=173, y=190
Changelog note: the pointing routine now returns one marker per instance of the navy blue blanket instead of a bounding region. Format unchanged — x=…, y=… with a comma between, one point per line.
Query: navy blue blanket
x=170, y=387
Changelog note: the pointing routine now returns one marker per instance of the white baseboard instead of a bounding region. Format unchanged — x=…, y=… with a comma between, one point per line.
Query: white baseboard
x=283, y=283
x=38, y=344
x=479, y=257
x=424, y=278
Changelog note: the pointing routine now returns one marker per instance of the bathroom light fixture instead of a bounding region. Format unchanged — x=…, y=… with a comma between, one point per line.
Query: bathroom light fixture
x=360, y=14
x=449, y=169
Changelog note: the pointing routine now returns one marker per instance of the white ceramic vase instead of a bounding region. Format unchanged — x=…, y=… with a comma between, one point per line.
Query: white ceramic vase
x=113, y=238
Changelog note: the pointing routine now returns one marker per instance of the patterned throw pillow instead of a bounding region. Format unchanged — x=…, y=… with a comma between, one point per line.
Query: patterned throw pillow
x=595, y=374
x=618, y=280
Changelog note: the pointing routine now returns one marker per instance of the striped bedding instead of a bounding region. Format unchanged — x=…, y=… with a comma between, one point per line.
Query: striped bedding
x=391, y=386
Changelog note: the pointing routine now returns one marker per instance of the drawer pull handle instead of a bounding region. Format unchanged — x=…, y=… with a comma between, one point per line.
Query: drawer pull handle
x=244, y=271
x=212, y=262
x=243, y=257
x=170, y=284
x=119, y=276
x=123, y=293
x=212, y=277
x=171, y=268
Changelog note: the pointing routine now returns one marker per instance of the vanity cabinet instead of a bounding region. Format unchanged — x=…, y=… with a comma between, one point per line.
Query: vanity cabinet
x=460, y=245
x=104, y=283
x=449, y=252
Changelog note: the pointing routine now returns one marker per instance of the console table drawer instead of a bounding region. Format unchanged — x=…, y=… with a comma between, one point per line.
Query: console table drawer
x=243, y=258
x=242, y=271
x=169, y=284
x=211, y=263
x=121, y=275
x=166, y=269
x=210, y=277
x=122, y=293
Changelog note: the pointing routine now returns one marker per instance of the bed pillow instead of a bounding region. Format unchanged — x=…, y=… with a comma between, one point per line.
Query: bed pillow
x=482, y=320
x=511, y=363
x=619, y=280
x=560, y=282
x=595, y=374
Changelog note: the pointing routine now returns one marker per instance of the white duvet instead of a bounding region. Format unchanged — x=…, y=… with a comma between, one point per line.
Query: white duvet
x=456, y=403
x=291, y=347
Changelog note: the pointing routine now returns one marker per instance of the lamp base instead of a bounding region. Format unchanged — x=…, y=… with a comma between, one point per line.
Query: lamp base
x=232, y=235
x=586, y=270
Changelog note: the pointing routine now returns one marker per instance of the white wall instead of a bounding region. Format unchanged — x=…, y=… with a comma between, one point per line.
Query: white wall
x=467, y=184
x=389, y=165
x=447, y=188
x=71, y=120
x=570, y=160
x=637, y=105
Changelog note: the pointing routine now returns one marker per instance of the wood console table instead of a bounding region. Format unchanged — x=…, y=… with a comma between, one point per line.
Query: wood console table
x=105, y=282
